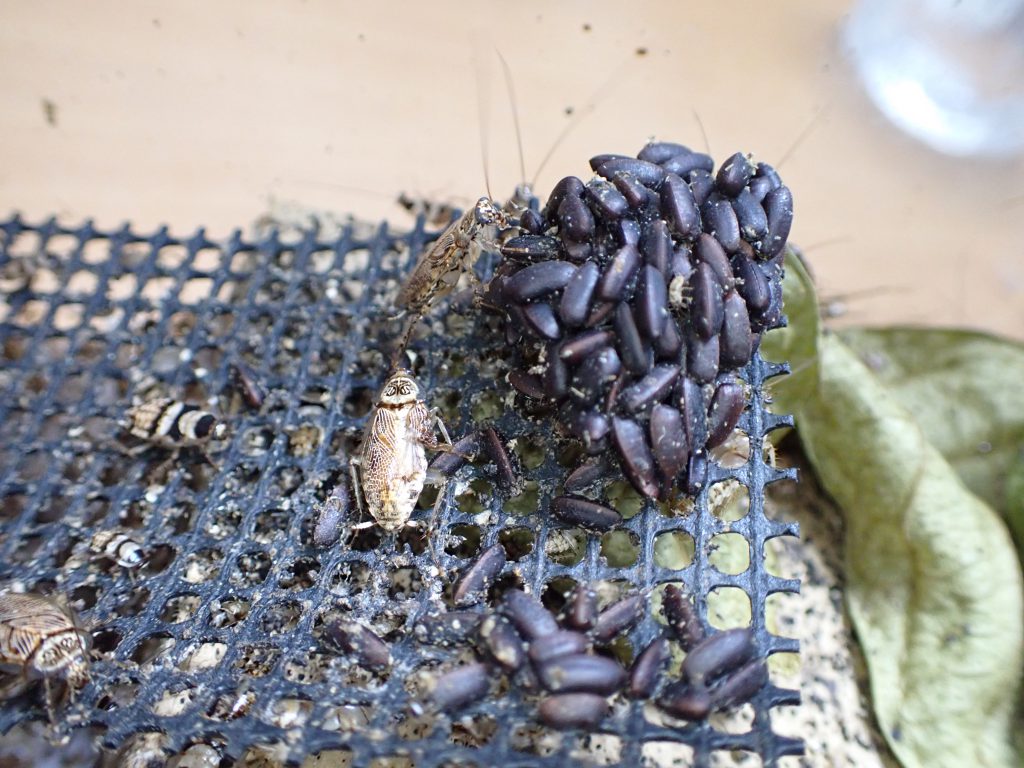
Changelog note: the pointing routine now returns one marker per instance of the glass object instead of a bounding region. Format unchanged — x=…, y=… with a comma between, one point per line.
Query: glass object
x=948, y=72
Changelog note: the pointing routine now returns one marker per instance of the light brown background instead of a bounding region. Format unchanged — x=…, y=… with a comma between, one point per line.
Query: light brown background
x=197, y=113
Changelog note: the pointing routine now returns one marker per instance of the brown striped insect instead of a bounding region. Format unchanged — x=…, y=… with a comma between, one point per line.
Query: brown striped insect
x=40, y=639
x=174, y=425
x=390, y=471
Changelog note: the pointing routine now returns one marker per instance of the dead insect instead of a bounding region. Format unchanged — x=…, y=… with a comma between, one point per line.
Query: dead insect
x=389, y=473
x=172, y=424
x=451, y=256
x=117, y=544
x=40, y=639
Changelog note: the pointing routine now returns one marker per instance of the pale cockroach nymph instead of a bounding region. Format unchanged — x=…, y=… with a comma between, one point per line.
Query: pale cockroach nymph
x=390, y=471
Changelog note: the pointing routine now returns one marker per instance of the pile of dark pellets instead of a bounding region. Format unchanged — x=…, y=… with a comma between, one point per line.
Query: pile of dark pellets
x=633, y=301
x=566, y=661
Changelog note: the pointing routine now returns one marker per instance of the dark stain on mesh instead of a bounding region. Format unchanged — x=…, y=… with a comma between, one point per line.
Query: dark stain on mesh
x=237, y=604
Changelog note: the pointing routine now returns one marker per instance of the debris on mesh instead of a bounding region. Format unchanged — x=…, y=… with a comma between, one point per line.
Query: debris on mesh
x=233, y=611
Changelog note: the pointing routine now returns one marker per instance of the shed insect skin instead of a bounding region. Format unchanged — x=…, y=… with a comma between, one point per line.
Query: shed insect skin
x=452, y=255
x=390, y=471
x=39, y=639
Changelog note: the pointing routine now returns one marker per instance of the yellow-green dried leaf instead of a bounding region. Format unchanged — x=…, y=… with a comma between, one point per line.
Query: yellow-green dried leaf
x=934, y=585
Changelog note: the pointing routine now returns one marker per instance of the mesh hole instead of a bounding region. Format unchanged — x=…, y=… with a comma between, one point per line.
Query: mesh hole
x=728, y=607
x=729, y=553
x=674, y=549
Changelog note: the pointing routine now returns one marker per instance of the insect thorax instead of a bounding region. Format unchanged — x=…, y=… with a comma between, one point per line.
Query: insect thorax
x=62, y=654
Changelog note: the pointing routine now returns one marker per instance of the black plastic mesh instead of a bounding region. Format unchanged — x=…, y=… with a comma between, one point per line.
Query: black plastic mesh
x=226, y=621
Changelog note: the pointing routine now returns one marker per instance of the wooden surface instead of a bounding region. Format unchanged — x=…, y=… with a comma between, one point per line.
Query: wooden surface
x=214, y=114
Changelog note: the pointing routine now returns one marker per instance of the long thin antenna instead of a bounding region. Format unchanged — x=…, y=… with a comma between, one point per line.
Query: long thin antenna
x=483, y=105
x=579, y=114
x=703, y=133
x=807, y=131
x=515, y=114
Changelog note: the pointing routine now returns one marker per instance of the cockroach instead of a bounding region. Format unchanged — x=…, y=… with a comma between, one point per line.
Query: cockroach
x=390, y=471
x=40, y=639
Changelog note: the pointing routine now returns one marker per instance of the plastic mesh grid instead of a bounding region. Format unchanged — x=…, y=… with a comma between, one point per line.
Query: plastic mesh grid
x=226, y=621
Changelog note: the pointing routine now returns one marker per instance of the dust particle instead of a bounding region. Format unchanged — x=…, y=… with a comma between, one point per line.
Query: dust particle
x=641, y=51
x=50, y=112
x=587, y=27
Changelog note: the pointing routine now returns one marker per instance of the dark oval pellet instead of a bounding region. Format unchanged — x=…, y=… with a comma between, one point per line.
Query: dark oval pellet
x=685, y=701
x=686, y=162
x=331, y=517
x=460, y=687
x=577, y=252
x=529, y=247
x=451, y=628
x=708, y=250
x=449, y=462
x=656, y=245
x=618, y=617
x=702, y=358
x=635, y=454
x=575, y=304
x=528, y=615
x=585, y=475
x=718, y=654
x=599, y=313
x=352, y=637
x=531, y=221
x=585, y=513
x=593, y=375
x=570, y=185
x=503, y=642
x=556, y=374
x=620, y=270
x=645, y=674
x=606, y=201
x=508, y=478
x=669, y=443
x=575, y=220
x=651, y=388
x=573, y=710
x=751, y=216
x=702, y=184
x=734, y=174
x=720, y=220
x=741, y=686
x=648, y=174
x=736, y=343
x=765, y=171
x=679, y=207
x=636, y=356
x=706, y=308
x=477, y=579
x=582, y=673
x=636, y=194
x=590, y=428
x=540, y=318
x=626, y=232
x=668, y=345
x=778, y=206
x=660, y=151
x=751, y=284
x=557, y=644
x=694, y=410
x=580, y=347
x=581, y=608
x=524, y=383
x=538, y=279
x=681, y=616
x=725, y=410
x=696, y=473
x=651, y=302
x=597, y=160
x=252, y=392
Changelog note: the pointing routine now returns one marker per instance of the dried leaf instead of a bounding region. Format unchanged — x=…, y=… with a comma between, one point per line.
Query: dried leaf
x=934, y=584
